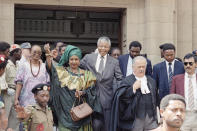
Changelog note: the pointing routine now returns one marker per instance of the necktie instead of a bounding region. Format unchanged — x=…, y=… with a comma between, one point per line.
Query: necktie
x=101, y=65
x=170, y=75
x=190, y=95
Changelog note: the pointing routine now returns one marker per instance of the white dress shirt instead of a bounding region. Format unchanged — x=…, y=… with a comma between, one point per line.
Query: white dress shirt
x=144, y=86
x=172, y=66
x=129, y=66
x=186, y=85
x=99, y=60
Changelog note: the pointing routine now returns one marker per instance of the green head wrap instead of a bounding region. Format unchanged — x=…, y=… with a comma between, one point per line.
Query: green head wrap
x=70, y=51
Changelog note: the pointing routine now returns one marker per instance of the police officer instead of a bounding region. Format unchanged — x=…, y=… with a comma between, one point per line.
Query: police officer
x=39, y=116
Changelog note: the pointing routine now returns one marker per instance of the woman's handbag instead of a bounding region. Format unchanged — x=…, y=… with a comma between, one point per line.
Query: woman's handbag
x=81, y=111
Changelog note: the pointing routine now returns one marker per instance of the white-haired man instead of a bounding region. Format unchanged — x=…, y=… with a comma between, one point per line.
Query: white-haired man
x=135, y=101
x=105, y=68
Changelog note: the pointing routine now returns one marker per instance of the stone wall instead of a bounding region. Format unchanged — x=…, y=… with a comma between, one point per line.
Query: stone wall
x=152, y=22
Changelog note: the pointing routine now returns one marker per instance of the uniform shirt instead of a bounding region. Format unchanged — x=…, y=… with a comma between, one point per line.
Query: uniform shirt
x=129, y=66
x=40, y=120
x=98, y=61
x=194, y=84
x=10, y=74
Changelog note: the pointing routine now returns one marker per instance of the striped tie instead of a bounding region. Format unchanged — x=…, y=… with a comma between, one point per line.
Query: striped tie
x=170, y=75
x=190, y=95
x=101, y=65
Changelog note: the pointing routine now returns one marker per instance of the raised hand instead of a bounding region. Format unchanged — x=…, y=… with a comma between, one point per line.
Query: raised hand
x=47, y=48
x=54, y=53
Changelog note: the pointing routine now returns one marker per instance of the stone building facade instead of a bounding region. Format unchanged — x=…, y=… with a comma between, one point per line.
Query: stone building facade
x=152, y=22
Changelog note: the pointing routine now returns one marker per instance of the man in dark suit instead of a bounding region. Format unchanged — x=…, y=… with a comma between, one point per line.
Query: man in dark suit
x=164, y=71
x=135, y=101
x=185, y=85
x=126, y=60
x=105, y=68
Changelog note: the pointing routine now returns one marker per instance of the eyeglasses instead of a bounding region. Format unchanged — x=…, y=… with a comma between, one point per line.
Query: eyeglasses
x=190, y=63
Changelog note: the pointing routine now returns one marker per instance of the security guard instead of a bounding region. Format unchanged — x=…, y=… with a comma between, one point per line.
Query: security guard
x=38, y=117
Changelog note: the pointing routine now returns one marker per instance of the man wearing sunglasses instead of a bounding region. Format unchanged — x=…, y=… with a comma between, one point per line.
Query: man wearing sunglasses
x=186, y=85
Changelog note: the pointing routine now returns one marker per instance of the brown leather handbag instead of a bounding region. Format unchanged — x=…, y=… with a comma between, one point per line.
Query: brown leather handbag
x=81, y=111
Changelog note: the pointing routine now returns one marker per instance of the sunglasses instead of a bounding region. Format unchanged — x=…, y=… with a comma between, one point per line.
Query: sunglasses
x=190, y=63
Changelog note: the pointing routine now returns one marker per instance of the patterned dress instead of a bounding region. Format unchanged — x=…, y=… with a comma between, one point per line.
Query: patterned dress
x=62, y=97
x=25, y=77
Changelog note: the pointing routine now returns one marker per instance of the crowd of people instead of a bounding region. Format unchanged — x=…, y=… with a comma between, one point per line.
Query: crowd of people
x=44, y=89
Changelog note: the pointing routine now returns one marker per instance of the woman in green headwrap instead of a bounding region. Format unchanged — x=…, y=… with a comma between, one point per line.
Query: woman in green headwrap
x=68, y=83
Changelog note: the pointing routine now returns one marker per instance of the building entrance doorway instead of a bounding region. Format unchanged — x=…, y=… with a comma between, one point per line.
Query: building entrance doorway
x=80, y=26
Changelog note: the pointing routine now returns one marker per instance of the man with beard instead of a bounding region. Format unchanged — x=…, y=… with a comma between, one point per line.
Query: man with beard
x=39, y=116
x=172, y=110
x=185, y=85
x=125, y=61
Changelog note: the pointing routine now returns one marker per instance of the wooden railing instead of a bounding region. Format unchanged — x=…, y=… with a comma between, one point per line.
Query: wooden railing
x=65, y=29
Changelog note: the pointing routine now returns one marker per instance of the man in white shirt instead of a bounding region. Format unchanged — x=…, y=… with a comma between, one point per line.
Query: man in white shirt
x=186, y=85
x=125, y=61
x=164, y=71
x=106, y=69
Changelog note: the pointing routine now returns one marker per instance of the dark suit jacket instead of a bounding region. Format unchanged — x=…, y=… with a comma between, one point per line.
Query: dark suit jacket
x=178, y=83
x=123, y=61
x=125, y=103
x=161, y=76
x=104, y=82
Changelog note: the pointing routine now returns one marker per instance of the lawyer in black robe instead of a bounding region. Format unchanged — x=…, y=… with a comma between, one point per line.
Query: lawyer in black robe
x=127, y=106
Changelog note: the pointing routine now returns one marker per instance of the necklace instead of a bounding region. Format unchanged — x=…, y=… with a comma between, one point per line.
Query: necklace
x=32, y=70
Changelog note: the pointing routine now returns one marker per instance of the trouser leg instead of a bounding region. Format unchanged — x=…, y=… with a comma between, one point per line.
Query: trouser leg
x=107, y=116
x=97, y=122
x=13, y=121
x=10, y=111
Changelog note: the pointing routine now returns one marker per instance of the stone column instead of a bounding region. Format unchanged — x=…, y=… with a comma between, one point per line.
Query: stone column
x=7, y=21
x=160, y=26
x=194, y=23
x=184, y=28
x=134, y=24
